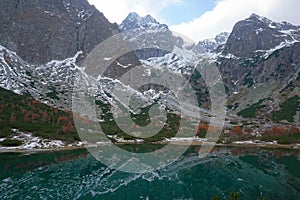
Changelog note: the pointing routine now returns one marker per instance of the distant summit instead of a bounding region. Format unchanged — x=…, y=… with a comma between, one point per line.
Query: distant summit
x=134, y=21
x=208, y=45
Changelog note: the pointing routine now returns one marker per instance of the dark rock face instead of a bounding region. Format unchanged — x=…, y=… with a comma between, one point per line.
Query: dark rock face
x=260, y=52
x=259, y=33
x=260, y=65
x=279, y=67
x=43, y=30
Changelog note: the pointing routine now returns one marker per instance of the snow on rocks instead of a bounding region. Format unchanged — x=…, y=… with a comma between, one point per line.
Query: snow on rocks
x=31, y=142
x=280, y=46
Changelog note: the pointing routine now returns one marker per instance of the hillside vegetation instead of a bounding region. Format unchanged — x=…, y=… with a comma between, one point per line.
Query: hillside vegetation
x=28, y=115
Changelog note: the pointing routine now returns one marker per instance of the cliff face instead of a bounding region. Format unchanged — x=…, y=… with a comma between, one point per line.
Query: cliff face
x=42, y=43
x=43, y=30
x=258, y=33
x=260, y=51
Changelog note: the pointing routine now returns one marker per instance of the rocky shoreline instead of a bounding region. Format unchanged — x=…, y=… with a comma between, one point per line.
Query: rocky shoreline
x=66, y=148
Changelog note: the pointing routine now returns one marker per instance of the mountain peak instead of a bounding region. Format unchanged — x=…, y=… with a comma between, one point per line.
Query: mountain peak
x=134, y=21
x=258, y=33
x=149, y=18
x=133, y=14
x=212, y=44
x=256, y=17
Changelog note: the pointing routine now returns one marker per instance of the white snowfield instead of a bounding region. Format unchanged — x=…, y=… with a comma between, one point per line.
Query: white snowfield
x=32, y=142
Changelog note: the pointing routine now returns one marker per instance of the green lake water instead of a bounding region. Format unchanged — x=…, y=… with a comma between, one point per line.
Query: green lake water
x=254, y=173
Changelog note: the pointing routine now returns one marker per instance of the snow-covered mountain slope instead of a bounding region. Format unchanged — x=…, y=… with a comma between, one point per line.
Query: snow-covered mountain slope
x=50, y=83
x=53, y=83
x=11, y=66
x=257, y=53
x=209, y=45
x=171, y=62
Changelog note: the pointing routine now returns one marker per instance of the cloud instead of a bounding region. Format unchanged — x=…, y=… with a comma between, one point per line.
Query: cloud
x=227, y=12
x=117, y=10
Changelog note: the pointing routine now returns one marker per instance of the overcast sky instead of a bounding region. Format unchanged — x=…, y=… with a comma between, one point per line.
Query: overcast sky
x=200, y=19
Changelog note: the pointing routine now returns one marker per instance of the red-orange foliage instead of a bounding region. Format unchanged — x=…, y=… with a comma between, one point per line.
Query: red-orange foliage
x=61, y=119
x=277, y=130
x=236, y=130
x=68, y=128
x=294, y=129
x=202, y=127
x=26, y=117
x=280, y=130
x=45, y=116
x=176, y=127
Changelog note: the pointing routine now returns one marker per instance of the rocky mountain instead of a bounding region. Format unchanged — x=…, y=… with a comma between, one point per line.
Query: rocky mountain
x=41, y=31
x=53, y=82
x=258, y=33
x=134, y=21
x=145, y=34
x=43, y=43
x=209, y=45
x=153, y=32
x=258, y=60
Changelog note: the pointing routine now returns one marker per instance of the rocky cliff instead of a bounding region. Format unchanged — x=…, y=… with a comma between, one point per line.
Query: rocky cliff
x=43, y=30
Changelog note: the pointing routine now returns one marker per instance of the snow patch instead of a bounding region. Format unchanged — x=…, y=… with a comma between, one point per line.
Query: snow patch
x=67, y=62
x=108, y=59
x=257, y=31
x=123, y=66
x=280, y=46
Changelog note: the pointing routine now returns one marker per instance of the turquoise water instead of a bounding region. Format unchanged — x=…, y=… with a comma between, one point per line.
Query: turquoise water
x=255, y=173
